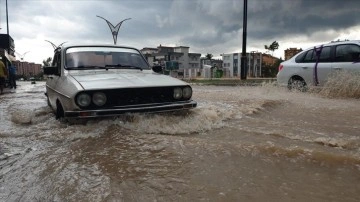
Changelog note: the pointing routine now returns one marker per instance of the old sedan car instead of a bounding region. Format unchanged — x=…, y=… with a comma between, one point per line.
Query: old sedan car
x=87, y=81
x=313, y=66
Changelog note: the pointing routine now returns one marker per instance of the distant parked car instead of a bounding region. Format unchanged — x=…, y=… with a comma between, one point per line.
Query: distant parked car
x=32, y=79
x=312, y=66
x=87, y=81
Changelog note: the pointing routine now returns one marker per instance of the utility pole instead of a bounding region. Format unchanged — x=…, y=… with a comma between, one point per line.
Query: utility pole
x=7, y=20
x=243, y=55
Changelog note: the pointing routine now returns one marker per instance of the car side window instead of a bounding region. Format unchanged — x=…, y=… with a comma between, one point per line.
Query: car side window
x=57, y=62
x=347, y=53
x=300, y=57
x=325, y=54
x=309, y=57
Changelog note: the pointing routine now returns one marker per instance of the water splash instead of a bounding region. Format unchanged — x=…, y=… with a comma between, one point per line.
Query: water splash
x=342, y=84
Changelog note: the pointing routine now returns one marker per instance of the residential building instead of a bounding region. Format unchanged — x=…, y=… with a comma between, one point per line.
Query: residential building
x=216, y=62
x=206, y=63
x=27, y=69
x=268, y=59
x=209, y=68
x=148, y=52
x=177, y=60
x=290, y=52
x=254, y=64
x=232, y=63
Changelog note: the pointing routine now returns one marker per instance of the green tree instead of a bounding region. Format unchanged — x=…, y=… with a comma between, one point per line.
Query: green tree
x=270, y=71
x=272, y=47
x=47, y=62
x=209, y=56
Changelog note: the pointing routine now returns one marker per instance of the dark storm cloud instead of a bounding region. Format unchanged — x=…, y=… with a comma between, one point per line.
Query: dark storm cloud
x=192, y=19
x=208, y=23
x=204, y=25
x=301, y=17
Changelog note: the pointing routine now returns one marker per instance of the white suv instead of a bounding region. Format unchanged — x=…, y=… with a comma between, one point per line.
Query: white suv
x=312, y=66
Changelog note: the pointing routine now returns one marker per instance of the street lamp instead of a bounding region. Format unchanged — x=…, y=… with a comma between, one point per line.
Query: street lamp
x=114, y=29
x=7, y=19
x=21, y=56
x=243, y=55
x=53, y=45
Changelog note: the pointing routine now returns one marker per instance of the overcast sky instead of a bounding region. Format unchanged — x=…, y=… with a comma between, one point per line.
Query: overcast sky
x=206, y=26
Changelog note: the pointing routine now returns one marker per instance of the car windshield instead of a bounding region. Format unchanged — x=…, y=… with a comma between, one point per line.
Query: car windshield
x=85, y=58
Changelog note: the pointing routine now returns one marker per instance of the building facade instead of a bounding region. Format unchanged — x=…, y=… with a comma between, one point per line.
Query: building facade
x=231, y=62
x=255, y=63
x=177, y=60
x=27, y=69
x=208, y=65
x=290, y=52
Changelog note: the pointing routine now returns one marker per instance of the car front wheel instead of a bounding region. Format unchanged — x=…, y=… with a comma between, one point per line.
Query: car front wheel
x=59, y=113
x=297, y=84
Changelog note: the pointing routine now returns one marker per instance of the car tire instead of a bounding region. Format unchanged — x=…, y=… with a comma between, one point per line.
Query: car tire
x=59, y=113
x=297, y=84
x=48, y=101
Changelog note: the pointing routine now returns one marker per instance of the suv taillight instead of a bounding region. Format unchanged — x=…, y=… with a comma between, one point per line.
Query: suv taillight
x=280, y=67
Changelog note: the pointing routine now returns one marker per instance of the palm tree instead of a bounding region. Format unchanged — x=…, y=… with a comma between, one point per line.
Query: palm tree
x=272, y=47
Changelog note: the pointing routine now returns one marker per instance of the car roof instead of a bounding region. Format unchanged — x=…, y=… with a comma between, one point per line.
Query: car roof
x=334, y=43
x=327, y=44
x=344, y=42
x=67, y=45
x=340, y=42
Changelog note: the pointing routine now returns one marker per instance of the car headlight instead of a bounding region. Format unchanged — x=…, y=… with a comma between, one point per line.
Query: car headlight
x=177, y=93
x=187, y=92
x=83, y=100
x=99, y=99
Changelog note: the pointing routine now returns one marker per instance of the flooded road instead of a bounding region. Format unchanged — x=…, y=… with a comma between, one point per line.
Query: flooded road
x=241, y=144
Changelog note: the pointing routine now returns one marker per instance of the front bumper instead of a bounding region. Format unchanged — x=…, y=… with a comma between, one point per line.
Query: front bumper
x=153, y=108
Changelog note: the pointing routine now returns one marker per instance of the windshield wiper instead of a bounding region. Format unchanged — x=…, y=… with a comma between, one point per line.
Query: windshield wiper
x=85, y=67
x=125, y=66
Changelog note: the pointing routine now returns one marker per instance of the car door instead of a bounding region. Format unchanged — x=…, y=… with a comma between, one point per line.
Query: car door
x=320, y=59
x=347, y=57
x=52, y=80
x=304, y=66
x=324, y=64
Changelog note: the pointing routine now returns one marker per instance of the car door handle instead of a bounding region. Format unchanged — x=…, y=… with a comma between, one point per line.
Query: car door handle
x=304, y=67
x=337, y=68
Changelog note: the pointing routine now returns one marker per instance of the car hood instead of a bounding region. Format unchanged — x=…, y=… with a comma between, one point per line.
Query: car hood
x=124, y=79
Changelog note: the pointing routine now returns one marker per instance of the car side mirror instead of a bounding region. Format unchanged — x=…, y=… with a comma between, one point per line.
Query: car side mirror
x=51, y=70
x=157, y=68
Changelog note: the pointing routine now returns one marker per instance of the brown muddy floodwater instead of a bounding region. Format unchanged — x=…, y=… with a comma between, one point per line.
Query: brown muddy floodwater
x=241, y=144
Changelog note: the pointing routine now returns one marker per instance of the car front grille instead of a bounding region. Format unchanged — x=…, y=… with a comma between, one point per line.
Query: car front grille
x=139, y=96
x=119, y=98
